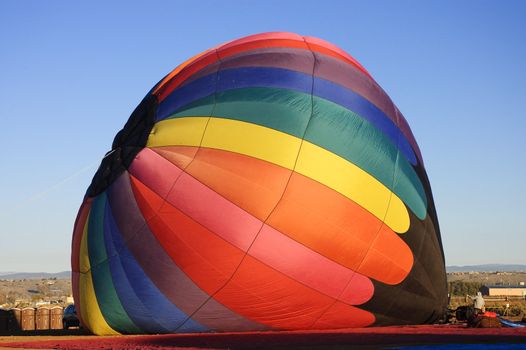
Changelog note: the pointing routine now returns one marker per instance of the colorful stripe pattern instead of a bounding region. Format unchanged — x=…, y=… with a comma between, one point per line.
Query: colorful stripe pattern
x=268, y=183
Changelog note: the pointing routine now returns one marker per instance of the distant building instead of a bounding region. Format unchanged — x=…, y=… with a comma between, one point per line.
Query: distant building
x=502, y=290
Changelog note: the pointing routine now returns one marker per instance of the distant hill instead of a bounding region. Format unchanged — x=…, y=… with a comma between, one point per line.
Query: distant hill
x=466, y=268
x=34, y=275
x=487, y=268
x=6, y=272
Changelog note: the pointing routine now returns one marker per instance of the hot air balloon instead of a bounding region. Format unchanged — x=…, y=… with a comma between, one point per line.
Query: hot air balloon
x=268, y=183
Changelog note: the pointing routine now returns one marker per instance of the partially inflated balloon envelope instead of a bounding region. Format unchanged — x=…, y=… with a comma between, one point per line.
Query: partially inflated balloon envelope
x=268, y=183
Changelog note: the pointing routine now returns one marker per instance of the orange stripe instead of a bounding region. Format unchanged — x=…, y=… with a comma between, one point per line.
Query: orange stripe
x=180, y=156
x=227, y=173
x=309, y=212
x=338, y=228
x=256, y=291
x=239, y=228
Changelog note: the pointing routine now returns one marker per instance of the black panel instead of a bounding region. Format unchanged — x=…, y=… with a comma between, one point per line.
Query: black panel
x=431, y=209
x=127, y=143
x=422, y=296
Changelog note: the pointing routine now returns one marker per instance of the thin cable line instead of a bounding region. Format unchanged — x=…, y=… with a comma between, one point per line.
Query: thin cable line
x=48, y=190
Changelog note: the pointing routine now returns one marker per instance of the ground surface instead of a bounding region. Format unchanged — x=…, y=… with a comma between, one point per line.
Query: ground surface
x=23, y=292
x=364, y=338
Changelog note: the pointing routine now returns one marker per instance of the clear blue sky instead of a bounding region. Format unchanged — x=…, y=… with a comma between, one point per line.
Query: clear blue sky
x=71, y=72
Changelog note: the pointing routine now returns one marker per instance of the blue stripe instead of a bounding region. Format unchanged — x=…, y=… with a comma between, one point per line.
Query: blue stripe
x=245, y=77
x=107, y=298
x=349, y=99
x=186, y=94
x=238, y=78
x=166, y=313
x=135, y=309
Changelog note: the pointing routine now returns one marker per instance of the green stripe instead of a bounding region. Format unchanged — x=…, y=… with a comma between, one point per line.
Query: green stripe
x=332, y=127
x=107, y=297
x=279, y=109
x=351, y=137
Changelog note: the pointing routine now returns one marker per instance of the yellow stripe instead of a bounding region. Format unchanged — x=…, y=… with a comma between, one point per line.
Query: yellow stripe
x=279, y=148
x=89, y=308
x=182, y=131
x=254, y=140
x=229, y=135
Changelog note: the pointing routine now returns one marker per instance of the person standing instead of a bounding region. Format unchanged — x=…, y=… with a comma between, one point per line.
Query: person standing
x=478, y=303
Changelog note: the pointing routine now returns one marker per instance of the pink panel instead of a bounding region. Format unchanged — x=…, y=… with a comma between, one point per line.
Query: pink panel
x=310, y=267
x=239, y=228
x=214, y=212
x=155, y=171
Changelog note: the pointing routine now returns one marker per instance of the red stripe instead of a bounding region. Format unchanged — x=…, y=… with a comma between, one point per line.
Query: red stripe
x=239, y=228
x=262, y=36
x=338, y=315
x=308, y=212
x=209, y=209
x=310, y=268
x=280, y=302
x=334, y=51
x=78, y=232
x=255, y=290
x=76, y=293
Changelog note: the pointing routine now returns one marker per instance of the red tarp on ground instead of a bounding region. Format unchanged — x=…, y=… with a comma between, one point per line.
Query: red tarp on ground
x=380, y=336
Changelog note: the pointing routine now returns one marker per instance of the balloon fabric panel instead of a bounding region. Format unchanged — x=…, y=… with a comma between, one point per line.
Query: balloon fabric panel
x=268, y=183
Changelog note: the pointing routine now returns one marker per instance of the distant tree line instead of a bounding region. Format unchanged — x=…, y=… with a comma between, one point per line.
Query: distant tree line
x=461, y=288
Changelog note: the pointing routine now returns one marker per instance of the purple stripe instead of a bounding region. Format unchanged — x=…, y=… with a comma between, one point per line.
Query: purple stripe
x=293, y=59
x=326, y=67
x=344, y=74
x=158, y=266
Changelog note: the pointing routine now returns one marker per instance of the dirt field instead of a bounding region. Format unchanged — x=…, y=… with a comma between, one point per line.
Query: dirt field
x=25, y=291
x=342, y=339
x=367, y=338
